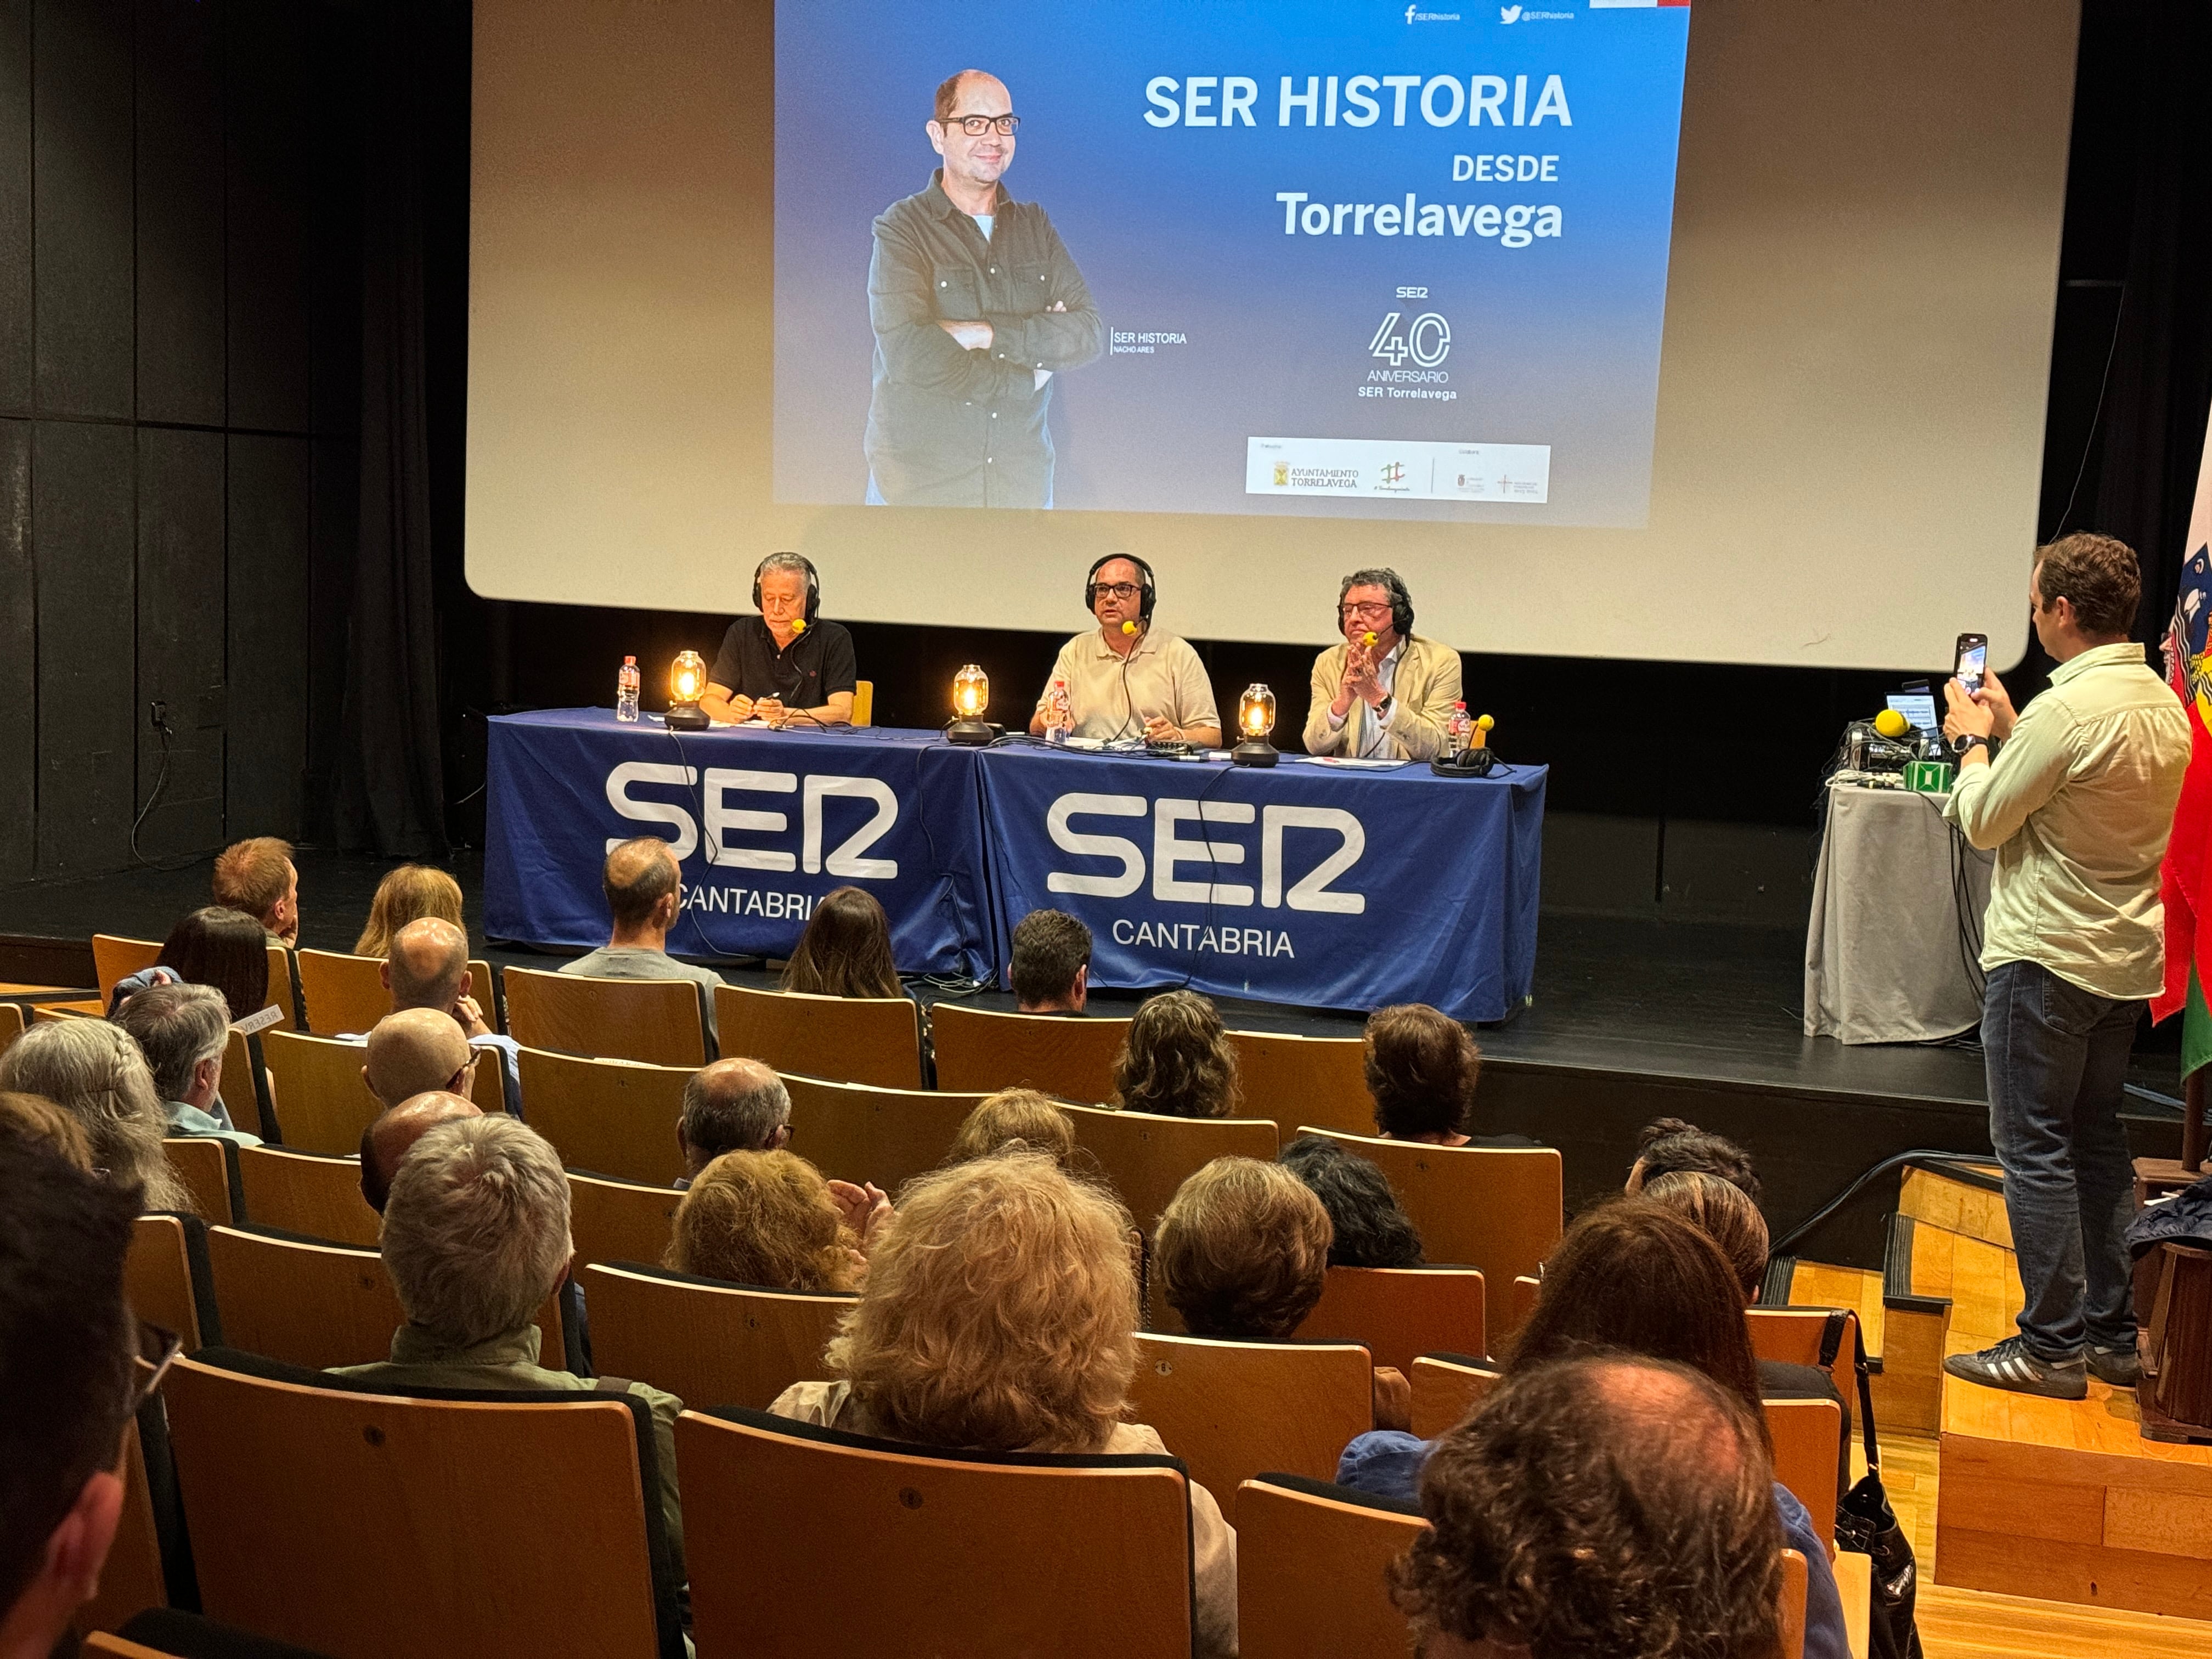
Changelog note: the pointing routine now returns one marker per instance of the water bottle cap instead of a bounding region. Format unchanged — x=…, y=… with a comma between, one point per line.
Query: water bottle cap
x=630, y=662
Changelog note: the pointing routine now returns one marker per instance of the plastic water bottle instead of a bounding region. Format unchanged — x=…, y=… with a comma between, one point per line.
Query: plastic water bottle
x=626, y=691
x=1459, y=729
x=1060, y=715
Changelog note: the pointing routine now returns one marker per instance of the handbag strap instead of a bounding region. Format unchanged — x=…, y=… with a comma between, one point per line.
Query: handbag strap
x=1866, y=1403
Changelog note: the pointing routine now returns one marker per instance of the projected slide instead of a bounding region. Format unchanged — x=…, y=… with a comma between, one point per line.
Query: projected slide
x=1322, y=258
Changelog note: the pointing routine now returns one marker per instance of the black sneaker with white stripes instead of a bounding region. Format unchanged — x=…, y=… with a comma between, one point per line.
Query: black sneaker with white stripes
x=2010, y=1365
x=2118, y=1366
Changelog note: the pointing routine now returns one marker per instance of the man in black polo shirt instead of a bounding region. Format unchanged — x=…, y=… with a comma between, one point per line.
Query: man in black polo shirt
x=976, y=305
x=784, y=664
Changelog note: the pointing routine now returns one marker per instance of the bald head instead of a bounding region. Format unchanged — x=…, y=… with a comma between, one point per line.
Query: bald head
x=642, y=885
x=386, y=1142
x=413, y=1052
x=733, y=1106
x=427, y=965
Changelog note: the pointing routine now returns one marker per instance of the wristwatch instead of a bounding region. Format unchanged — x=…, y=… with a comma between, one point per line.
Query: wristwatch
x=1966, y=741
x=1382, y=708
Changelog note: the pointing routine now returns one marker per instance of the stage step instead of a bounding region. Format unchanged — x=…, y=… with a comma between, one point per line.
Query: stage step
x=1905, y=1326
x=1963, y=1197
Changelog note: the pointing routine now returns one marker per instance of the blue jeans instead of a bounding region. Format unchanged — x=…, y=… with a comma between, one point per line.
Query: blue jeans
x=2058, y=1058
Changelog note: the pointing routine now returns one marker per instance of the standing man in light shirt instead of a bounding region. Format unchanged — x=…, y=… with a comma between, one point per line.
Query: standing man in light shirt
x=1127, y=679
x=1389, y=701
x=2078, y=801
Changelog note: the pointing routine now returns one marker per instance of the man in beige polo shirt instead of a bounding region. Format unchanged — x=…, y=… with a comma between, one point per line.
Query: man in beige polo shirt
x=2078, y=802
x=1126, y=679
x=1390, y=699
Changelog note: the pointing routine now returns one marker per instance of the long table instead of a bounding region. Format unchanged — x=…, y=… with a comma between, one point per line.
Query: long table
x=1310, y=883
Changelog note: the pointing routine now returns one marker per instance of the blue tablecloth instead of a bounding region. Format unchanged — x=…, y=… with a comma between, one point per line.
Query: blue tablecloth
x=1306, y=884
x=1309, y=883
x=764, y=823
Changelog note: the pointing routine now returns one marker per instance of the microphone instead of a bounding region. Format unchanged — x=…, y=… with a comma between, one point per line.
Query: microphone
x=1367, y=638
x=1128, y=627
x=1481, y=738
x=1891, y=725
x=799, y=624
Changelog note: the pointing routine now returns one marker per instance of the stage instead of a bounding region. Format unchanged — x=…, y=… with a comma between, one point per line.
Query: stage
x=1632, y=1019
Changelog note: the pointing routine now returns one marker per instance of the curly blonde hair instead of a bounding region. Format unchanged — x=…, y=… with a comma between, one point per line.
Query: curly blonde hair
x=1022, y=1116
x=407, y=894
x=1176, y=1061
x=763, y=1219
x=1000, y=1312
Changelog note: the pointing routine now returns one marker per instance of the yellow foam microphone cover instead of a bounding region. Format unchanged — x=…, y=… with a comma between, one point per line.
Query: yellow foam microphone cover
x=1484, y=723
x=1367, y=638
x=1891, y=724
x=799, y=624
x=1128, y=627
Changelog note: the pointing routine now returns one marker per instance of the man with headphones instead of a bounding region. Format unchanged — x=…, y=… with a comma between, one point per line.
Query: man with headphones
x=784, y=664
x=1129, y=680
x=1385, y=693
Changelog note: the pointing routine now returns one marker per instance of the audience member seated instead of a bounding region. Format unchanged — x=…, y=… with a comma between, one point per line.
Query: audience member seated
x=1051, y=968
x=408, y=894
x=388, y=1139
x=1368, y=1227
x=258, y=877
x=1634, y=1276
x=731, y=1106
x=1242, y=1251
x=1017, y=1119
x=226, y=948
x=183, y=1030
x=768, y=1218
x=94, y=1073
x=427, y=967
x=645, y=896
x=1668, y=1146
x=999, y=1315
x=1176, y=1061
x=476, y=1238
x=68, y=1385
x=35, y=1118
x=1600, y=1505
x=1422, y=1067
x=845, y=950
x=415, y=1052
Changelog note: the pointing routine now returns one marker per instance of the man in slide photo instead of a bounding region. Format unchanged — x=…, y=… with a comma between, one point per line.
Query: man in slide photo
x=977, y=306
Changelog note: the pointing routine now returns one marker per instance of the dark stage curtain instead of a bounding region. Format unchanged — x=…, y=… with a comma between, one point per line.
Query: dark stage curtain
x=391, y=787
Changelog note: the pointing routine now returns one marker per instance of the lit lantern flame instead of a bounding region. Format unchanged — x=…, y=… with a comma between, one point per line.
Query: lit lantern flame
x=687, y=678
x=971, y=692
x=1255, y=712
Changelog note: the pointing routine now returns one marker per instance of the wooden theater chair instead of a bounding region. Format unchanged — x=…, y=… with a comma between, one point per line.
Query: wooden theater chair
x=980, y=1050
x=706, y=1341
x=874, y=1040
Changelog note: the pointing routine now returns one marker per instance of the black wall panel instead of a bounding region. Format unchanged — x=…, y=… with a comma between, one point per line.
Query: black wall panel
x=81, y=257
x=270, y=518
x=180, y=211
x=19, y=658
x=83, y=556
x=336, y=536
x=15, y=206
x=269, y=143
x=181, y=638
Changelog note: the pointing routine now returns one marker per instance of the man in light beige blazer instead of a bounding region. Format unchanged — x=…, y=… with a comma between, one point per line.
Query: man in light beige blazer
x=1385, y=693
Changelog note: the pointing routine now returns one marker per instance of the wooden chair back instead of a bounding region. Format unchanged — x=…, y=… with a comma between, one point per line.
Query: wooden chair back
x=1146, y=1156
x=1233, y=1410
x=1446, y=1388
x=1312, y=1565
x=47, y=1013
x=102, y=1642
x=707, y=1342
x=318, y=1193
x=1805, y=1434
x=11, y=1024
x=1795, y=1578
x=654, y=1020
x=855, y=1132
x=322, y=1100
x=1521, y=1302
x=483, y=986
x=243, y=1085
x=981, y=1050
x=1494, y=1207
x=1397, y=1313
x=615, y=1117
x=619, y=1220
x=864, y=703
x=2176, y=1315
x=158, y=1280
x=1305, y=1079
x=873, y=1040
x=280, y=989
x=114, y=957
x=1794, y=1336
x=318, y=1305
x=344, y=994
x=130, y=1578
x=487, y=1084
x=203, y=1164
x=516, y=1528
x=859, y=1540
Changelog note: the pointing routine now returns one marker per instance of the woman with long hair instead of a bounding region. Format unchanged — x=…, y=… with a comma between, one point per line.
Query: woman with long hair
x=407, y=894
x=845, y=950
x=226, y=948
x=766, y=1218
x=1176, y=1059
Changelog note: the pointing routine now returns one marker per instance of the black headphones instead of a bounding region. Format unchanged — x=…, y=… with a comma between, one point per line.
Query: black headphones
x=1145, y=582
x=813, y=584
x=1401, y=602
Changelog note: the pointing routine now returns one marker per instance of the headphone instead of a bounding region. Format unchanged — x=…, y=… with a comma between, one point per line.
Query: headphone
x=813, y=584
x=1145, y=580
x=1401, y=602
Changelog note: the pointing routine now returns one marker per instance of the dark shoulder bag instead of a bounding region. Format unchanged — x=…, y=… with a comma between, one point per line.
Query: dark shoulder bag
x=1865, y=1522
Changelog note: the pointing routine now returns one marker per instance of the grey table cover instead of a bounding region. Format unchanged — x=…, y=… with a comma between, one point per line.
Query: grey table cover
x=1883, y=956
